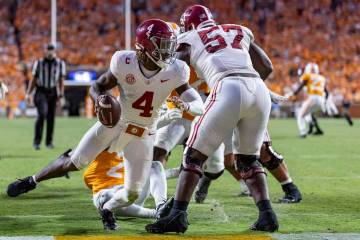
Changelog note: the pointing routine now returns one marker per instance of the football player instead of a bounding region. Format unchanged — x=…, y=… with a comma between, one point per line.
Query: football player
x=3, y=90
x=105, y=176
x=315, y=89
x=331, y=110
x=145, y=78
x=177, y=132
x=269, y=158
x=273, y=162
x=233, y=66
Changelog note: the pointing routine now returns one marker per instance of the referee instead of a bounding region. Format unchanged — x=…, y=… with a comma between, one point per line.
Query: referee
x=48, y=79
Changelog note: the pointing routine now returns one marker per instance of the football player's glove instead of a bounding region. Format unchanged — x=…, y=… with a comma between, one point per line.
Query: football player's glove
x=179, y=103
x=276, y=98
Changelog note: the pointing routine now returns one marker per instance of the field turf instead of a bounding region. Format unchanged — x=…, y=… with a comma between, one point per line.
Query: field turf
x=326, y=169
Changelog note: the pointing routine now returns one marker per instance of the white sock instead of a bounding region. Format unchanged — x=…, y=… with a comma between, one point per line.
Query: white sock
x=158, y=184
x=34, y=179
x=120, y=199
x=172, y=173
x=136, y=211
x=243, y=186
x=289, y=180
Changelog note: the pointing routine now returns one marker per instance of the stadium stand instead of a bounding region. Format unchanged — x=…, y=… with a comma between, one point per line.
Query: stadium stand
x=292, y=32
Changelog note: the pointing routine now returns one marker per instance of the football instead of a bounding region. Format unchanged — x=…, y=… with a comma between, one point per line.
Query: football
x=108, y=110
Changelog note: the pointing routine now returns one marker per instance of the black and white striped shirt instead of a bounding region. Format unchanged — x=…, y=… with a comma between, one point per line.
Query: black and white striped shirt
x=48, y=72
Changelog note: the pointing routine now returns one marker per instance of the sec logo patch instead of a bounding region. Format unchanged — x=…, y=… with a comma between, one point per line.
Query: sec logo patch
x=130, y=79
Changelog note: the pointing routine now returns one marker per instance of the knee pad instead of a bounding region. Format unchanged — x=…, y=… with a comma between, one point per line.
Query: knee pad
x=193, y=161
x=248, y=165
x=213, y=176
x=275, y=158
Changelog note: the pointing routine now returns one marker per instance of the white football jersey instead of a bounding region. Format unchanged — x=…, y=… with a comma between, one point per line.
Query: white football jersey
x=219, y=50
x=142, y=97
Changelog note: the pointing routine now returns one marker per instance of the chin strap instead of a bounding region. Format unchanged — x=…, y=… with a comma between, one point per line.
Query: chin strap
x=159, y=63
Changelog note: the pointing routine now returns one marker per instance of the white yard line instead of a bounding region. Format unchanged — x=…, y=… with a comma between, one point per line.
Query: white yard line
x=317, y=236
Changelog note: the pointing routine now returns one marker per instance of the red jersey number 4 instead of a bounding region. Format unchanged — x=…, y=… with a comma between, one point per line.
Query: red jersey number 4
x=144, y=103
x=217, y=42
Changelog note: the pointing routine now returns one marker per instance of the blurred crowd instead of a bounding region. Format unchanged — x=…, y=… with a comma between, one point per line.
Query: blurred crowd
x=292, y=32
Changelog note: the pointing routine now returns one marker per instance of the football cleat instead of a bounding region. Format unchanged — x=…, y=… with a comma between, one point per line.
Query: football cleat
x=292, y=194
x=176, y=221
x=267, y=222
x=203, y=187
x=21, y=186
x=36, y=146
x=164, y=208
x=50, y=146
x=318, y=132
x=311, y=128
x=108, y=220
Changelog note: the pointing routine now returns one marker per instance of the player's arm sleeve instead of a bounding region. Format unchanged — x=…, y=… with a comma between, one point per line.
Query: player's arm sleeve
x=192, y=97
x=187, y=94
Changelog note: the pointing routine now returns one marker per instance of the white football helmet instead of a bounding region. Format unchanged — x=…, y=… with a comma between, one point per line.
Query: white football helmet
x=312, y=68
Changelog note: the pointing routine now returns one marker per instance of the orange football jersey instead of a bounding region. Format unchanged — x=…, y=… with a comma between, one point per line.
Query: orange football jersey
x=315, y=83
x=106, y=171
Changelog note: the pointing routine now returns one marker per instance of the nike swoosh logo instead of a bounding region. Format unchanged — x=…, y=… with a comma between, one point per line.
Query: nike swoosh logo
x=164, y=80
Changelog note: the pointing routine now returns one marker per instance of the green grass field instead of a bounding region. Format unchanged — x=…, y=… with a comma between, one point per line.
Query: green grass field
x=326, y=169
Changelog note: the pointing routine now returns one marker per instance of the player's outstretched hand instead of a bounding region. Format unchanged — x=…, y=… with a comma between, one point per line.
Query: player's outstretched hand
x=276, y=98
